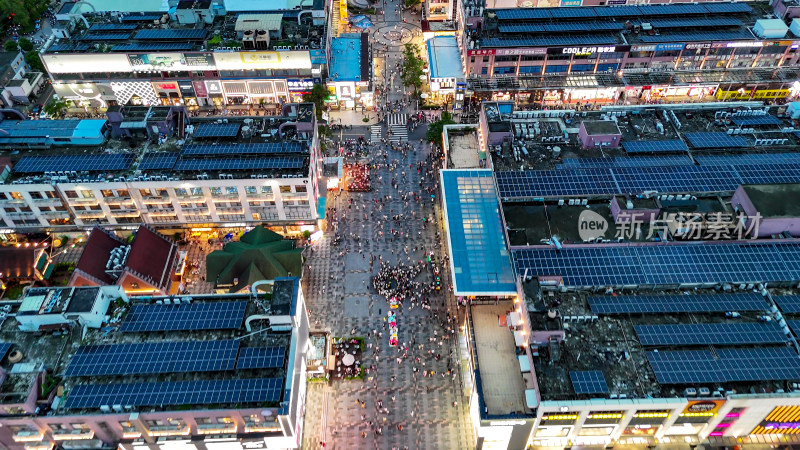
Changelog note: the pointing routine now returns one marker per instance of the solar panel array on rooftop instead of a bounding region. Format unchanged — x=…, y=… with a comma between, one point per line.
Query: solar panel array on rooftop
x=588, y=382
x=687, y=22
x=171, y=34
x=755, y=120
x=715, y=139
x=749, y=158
x=151, y=46
x=795, y=326
x=240, y=164
x=113, y=26
x=544, y=41
x=724, y=365
x=659, y=304
x=89, y=163
x=788, y=303
x=171, y=393
x=205, y=130
x=185, y=317
x=141, y=17
x=622, y=11
x=671, y=146
x=153, y=358
x=158, y=161
x=265, y=148
x=564, y=27
x=105, y=37
x=4, y=348
x=261, y=358
x=696, y=36
x=710, y=334
x=624, y=161
x=731, y=262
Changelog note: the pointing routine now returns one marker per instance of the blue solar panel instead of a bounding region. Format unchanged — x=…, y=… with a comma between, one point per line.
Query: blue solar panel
x=624, y=161
x=185, y=317
x=588, y=382
x=751, y=158
x=687, y=22
x=240, y=164
x=113, y=26
x=158, y=161
x=710, y=334
x=622, y=265
x=788, y=303
x=142, y=17
x=724, y=365
x=153, y=357
x=4, y=348
x=70, y=47
x=717, y=8
x=90, y=163
x=571, y=13
x=795, y=326
x=701, y=36
x=542, y=41
x=172, y=393
x=618, y=11
x=768, y=173
x=522, y=14
x=659, y=304
x=715, y=139
x=265, y=148
x=671, y=146
x=151, y=46
x=205, y=130
x=536, y=183
x=261, y=358
x=105, y=37
x=755, y=120
x=167, y=34
x=634, y=180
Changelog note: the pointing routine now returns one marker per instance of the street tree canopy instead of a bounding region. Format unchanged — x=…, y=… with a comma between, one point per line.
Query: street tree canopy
x=317, y=97
x=23, y=13
x=411, y=70
x=435, y=129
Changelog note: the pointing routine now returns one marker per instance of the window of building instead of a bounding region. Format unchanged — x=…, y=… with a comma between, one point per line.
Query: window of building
x=498, y=59
x=162, y=193
x=533, y=58
x=484, y=70
x=215, y=191
x=504, y=70
x=197, y=191
x=266, y=189
x=555, y=69
x=231, y=190
x=79, y=426
x=144, y=192
x=224, y=420
x=107, y=193
x=202, y=420
x=123, y=193
x=57, y=426
x=181, y=192
x=250, y=190
x=530, y=69
x=285, y=189
x=17, y=195
x=582, y=67
x=35, y=194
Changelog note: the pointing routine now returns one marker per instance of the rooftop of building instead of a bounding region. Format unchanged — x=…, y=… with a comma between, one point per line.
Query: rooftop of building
x=346, y=57
x=444, y=57
x=463, y=149
x=770, y=200
x=155, y=31
x=658, y=344
x=659, y=25
x=235, y=147
x=158, y=345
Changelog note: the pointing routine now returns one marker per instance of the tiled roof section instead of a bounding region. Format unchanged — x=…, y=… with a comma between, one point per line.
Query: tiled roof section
x=152, y=255
x=96, y=253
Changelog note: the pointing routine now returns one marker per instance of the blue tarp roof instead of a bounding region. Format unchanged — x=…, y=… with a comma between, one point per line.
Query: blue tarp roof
x=346, y=58
x=480, y=259
x=444, y=57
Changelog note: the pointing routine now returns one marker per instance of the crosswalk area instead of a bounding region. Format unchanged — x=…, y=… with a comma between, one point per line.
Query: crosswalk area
x=375, y=132
x=397, y=125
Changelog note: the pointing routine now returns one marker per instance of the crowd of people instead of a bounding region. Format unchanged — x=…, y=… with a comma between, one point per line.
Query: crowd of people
x=357, y=178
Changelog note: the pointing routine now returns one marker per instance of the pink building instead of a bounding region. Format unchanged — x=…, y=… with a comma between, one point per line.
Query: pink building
x=599, y=133
x=772, y=205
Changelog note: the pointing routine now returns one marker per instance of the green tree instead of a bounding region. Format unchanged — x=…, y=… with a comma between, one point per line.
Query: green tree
x=11, y=46
x=33, y=60
x=412, y=3
x=25, y=44
x=317, y=97
x=411, y=70
x=435, y=129
x=54, y=108
x=22, y=12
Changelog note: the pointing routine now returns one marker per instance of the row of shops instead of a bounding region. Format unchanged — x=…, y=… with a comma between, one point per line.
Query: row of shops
x=262, y=93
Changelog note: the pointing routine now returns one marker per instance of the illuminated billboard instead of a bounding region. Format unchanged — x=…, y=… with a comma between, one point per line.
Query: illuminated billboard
x=87, y=63
x=782, y=420
x=169, y=62
x=262, y=60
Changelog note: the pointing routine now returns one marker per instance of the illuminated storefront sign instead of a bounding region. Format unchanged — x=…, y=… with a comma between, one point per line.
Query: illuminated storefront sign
x=782, y=420
x=521, y=51
x=300, y=85
x=744, y=44
x=578, y=51
x=86, y=63
x=214, y=87
x=262, y=60
x=169, y=62
x=485, y=52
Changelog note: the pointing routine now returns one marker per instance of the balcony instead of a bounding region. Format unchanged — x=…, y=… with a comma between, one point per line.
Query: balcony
x=225, y=198
x=149, y=200
x=84, y=201
x=55, y=214
x=268, y=427
x=43, y=445
x=233, y=210
x=28, y=436
x=23, y=214
x=294, y=195
x=193, y=210
x=192, y=198
x=216, y=428
x=131, y=433
x=261, y=197
x=49, y=201
x=12, y=202
x=117, y=200
x=90, y=214
x=169, y=430
x=72, y=435
x=125, y=213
